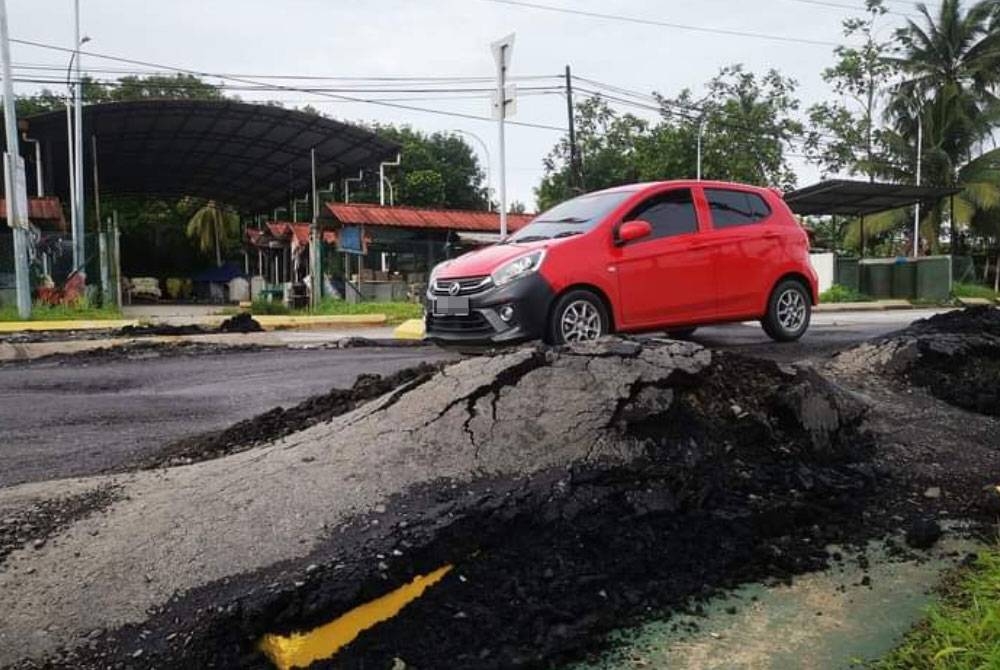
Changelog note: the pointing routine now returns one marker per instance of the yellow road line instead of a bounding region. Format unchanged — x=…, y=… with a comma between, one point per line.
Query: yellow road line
x=299, y=650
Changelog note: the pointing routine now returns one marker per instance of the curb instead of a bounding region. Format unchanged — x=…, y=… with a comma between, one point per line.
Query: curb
x=268, y=321
x=873, y=306
x=68, y=324
x=411, y=329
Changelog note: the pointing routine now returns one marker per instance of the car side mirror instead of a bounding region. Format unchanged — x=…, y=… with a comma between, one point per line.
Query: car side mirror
x=633, y=230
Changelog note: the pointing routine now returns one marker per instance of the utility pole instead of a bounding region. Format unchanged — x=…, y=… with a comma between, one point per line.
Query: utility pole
x=14, y=197
x=78, y=151
x=916, y=209
x=501, y=54
x=701, y=133
x=575, y=178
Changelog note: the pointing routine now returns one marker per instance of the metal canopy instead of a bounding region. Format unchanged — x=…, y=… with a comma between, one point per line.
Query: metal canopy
x=253, y=157
x=844, y=197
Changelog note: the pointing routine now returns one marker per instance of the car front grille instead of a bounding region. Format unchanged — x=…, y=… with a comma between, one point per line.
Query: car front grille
x=466, y=285
x=471, y=324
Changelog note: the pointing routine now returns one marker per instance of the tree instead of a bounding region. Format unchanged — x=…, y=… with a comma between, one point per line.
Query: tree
x=212, y=226
x=951, y=74
x=436, y=170
x=164, y=87
x=749, y=123
x=846, y=137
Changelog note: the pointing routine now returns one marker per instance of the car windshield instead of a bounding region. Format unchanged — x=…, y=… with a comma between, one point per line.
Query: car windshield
x=572, y=217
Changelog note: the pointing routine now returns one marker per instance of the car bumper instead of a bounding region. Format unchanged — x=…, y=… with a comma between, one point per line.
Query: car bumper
x=529, y=299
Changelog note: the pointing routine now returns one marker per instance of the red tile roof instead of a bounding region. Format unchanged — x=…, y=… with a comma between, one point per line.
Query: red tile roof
x=419, y=217
x=45, y=210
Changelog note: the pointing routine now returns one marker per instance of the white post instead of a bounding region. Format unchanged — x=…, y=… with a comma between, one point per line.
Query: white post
x=14, y=217
x=72, y=183
x=916, y=210
x=501, y=53
x=78, y=153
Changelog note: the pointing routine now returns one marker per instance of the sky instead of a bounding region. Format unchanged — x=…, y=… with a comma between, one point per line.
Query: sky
x=450, y=38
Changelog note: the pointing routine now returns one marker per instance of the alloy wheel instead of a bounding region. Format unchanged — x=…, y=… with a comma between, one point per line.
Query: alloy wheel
x=581, y=322
x=791, y=310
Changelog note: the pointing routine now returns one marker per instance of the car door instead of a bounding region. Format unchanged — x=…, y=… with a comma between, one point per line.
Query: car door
x=665, y=278
x=748, y=244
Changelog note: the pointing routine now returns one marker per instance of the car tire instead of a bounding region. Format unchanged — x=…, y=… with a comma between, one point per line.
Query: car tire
x=578, y=316
x=681, y=333
x=789, y=310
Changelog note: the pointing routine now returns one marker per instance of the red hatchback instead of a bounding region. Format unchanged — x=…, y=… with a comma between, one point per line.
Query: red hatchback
x=662, y=256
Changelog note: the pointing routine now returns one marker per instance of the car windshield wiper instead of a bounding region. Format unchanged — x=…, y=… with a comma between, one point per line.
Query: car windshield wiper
x=567, y=233
x=529, y=238
x=565, y=219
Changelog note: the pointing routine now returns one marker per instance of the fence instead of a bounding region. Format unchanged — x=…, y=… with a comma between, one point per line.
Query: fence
x=926, y=278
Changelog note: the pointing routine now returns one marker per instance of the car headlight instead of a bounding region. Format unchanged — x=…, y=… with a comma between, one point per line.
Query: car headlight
x=517, y=268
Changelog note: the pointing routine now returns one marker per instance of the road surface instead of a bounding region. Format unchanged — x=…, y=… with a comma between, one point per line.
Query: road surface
x=69, y=418
x=63, y=419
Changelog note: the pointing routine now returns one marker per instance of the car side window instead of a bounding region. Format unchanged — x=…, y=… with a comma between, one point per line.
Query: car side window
x=735, y=208
x=669, y=214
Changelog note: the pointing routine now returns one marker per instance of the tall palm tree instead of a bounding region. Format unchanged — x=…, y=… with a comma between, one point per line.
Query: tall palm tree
x=212, y=226
x=951, y=77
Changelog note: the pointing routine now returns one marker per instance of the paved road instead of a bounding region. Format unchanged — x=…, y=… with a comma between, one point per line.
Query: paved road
x=65, y=419
x=68, y=419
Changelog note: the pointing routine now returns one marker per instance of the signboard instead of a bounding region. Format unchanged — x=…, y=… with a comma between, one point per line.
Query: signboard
x=19, y=188
x=510, y=102
x=502, y=49
x=349, y=240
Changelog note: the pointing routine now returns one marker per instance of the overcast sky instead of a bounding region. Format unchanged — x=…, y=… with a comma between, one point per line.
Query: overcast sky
x=419, y=38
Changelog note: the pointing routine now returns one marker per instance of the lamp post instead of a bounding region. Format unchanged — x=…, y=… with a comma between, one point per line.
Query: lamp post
x=74, y=142
x=486, y=152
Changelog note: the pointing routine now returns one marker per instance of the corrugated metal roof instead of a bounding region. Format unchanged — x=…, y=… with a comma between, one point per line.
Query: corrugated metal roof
x=284, y=231
x=45, y=211
x=419, y=217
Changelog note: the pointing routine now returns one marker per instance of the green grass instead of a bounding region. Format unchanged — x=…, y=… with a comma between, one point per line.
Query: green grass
x=839, y=293
x=961, y=290
x=962, y=630
x=43, y=312
x=395, y=312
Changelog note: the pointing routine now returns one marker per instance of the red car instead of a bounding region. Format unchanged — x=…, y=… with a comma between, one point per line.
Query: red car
x=667, y=256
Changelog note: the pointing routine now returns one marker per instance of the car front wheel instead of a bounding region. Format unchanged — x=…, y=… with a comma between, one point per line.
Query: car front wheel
x=788, y=312
x=578, y=316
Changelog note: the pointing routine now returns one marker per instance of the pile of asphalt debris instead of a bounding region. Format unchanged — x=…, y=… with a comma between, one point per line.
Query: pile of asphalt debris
x=954, y=355
x=743, y=470
x=240, y=323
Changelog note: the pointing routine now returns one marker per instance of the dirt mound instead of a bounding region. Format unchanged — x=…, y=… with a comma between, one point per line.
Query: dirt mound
x=279, y=422
x=574, y=490
x=954, y=355
x=241, y=323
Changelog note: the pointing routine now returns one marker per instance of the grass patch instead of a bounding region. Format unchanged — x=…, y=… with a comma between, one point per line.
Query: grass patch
x=79, y=312
x=962, y=290
x=962, y=630
x=839, y=293
x=395, y=312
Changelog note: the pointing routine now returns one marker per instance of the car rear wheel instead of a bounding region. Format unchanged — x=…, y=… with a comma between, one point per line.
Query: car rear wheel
x=788, y=312
x=578, y=316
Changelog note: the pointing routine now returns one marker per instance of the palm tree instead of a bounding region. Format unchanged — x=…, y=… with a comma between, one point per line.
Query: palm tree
x=951, y=70
x=212, y=226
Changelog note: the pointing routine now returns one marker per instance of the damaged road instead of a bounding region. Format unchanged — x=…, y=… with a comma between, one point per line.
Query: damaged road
x=568, y=492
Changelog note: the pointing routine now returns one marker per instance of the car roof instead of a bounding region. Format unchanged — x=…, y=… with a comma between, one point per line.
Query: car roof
x=642, y=186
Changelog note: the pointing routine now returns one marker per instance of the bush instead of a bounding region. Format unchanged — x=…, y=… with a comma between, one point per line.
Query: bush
x=839, y=293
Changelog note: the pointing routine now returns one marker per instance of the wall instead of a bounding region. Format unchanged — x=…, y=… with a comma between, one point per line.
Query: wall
x=823, y=264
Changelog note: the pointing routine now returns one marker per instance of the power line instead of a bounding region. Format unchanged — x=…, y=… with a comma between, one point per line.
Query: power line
x=283, y=87
x=663, y=24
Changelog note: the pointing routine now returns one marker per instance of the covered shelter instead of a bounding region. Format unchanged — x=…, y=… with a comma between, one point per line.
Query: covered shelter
x=851, y=198
x=252, y=157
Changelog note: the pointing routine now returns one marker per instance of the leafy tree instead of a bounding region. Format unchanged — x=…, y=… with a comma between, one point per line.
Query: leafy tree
x=951, y=76
x=437, y=170
x=846, y=137
x=163, y=87
x=213, y=227
x=749, y=123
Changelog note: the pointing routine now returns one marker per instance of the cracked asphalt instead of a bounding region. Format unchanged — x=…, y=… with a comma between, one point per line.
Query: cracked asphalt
x=72, y=418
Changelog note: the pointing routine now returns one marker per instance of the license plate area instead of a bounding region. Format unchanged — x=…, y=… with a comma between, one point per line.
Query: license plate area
x=450, y=306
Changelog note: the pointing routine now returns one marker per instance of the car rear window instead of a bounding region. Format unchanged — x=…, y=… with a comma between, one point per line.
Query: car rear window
x=671, y=213
x=735, y=208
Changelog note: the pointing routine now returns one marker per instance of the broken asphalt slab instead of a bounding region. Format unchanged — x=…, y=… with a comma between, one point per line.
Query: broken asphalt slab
x=515, y=465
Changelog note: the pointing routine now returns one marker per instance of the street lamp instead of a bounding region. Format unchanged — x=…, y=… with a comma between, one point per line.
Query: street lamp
x=486, y=151
x=73, y=141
